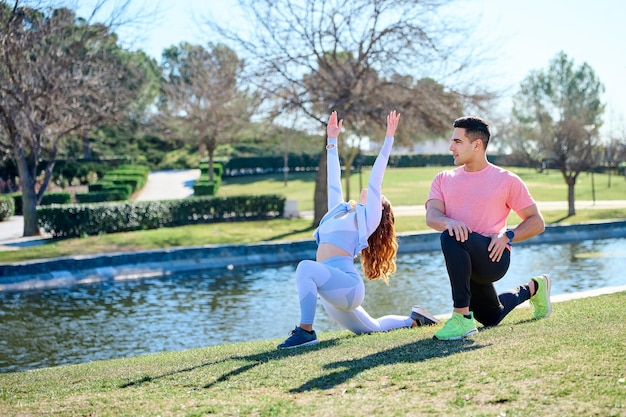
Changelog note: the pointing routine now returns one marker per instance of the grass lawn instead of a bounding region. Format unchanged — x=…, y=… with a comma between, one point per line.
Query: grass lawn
x=571, y=364
x=410, y=186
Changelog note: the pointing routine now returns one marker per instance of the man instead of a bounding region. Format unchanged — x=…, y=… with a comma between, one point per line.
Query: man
x=470, y=205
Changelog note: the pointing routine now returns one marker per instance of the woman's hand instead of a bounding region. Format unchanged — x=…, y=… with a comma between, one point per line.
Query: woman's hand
x=333, y=128
x=392, y=123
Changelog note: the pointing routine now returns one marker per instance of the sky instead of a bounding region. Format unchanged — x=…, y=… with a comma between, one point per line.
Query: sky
x=529, y=33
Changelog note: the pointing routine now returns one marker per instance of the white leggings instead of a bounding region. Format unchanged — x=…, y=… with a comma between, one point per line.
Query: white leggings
x=341, y=291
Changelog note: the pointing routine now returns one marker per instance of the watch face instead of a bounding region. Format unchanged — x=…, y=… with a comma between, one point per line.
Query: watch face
x=510, y=234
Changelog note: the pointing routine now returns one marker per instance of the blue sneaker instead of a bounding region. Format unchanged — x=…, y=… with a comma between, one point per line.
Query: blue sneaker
x=299, y=337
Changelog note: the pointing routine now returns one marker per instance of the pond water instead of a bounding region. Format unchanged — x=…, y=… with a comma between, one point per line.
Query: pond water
x=171, y=313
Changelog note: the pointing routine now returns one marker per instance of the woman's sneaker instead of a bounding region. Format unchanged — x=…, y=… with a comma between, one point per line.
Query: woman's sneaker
x=299, y=337
x=423, y=317
x=541, y=300
x=457, y=327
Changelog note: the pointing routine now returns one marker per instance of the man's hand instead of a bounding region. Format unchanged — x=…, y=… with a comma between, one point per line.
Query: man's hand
x=497, y=246
x=458, y=229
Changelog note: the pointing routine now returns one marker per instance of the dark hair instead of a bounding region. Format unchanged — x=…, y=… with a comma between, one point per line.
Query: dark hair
x=475, y=128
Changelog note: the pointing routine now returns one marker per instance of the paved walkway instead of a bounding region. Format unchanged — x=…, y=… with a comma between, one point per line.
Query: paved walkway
x=169, y=185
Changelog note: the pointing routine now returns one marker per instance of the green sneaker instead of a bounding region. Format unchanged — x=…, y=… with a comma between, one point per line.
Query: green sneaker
x=541, y=300
x=457, y=327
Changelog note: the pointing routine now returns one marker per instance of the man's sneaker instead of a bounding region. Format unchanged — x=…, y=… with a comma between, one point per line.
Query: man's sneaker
x=457, y=327
x=299, y=337
x=541, y=300
x=423, y=317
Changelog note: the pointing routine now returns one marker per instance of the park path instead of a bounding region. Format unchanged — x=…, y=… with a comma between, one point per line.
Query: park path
x=169, y=185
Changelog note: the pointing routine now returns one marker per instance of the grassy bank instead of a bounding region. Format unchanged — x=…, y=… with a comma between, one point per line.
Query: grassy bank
x=571, y=364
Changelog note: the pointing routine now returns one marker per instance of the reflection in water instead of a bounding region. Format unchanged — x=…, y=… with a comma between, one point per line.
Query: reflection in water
x=129, y=318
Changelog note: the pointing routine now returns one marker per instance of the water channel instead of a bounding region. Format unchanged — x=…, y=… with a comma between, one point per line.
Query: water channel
x=118, y=319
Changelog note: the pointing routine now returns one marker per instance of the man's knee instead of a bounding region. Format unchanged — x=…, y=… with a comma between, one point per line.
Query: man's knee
x=487, y=319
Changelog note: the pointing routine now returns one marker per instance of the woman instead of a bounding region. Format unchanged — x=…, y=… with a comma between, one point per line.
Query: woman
x=345, y=231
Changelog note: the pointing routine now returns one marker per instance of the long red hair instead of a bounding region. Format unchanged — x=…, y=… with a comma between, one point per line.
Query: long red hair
x=378, y=260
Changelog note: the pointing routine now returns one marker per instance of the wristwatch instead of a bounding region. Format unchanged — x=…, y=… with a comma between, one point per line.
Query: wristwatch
x=510, y=234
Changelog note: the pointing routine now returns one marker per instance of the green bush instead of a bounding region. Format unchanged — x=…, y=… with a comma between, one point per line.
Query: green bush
x=201, y=189
x=117, y=184
x=218, y=169
x=203, y=185
x=102, y=196
x=47, y=199
x=56, y=198
x=73, y=220
x=7, y=207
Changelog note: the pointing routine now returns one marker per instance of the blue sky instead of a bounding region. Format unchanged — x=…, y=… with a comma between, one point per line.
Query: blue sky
x=528, y=33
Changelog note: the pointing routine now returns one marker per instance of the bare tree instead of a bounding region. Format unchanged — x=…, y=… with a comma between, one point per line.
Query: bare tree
x=312, y=57
x=59, y=76
x=562, y=106
x=202, y=95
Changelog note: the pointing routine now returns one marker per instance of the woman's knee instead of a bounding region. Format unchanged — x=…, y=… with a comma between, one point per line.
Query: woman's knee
x=305, y=269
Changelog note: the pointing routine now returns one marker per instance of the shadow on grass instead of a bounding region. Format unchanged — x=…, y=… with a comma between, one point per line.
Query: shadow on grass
x=293, y=232
x=557, y=221
x=414, y=352
x=254, y=360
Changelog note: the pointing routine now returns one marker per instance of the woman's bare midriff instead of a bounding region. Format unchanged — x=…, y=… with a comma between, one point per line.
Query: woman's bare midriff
x=328, y=250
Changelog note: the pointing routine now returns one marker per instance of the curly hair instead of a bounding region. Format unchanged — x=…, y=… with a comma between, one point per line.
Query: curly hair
x=379, y=258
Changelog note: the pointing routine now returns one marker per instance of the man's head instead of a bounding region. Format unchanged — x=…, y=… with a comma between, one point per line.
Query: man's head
x=475, y=128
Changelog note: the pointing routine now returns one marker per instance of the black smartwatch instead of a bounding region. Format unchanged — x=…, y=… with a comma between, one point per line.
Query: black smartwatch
x=510, y=234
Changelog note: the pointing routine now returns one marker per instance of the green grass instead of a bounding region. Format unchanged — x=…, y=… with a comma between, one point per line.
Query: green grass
x=410, y=186
x=403, y=186
x=571, y=364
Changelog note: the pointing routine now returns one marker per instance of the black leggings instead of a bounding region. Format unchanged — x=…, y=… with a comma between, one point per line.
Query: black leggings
x=472, y=275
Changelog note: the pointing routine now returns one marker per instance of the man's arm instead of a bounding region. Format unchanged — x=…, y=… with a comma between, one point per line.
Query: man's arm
x=436, y=219
x=532, y=224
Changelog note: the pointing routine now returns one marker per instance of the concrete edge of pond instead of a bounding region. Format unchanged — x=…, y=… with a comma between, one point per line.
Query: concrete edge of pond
x=67, y=271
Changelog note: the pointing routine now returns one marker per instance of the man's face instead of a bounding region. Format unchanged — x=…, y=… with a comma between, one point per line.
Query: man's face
x=461, y=147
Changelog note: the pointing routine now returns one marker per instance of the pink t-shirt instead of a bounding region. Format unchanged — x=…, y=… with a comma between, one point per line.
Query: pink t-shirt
x=483, y=199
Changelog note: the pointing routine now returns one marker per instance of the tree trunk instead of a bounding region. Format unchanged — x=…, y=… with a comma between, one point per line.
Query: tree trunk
x=86, y=147
x=29, y=200
x=211, y=164
x=571, y=210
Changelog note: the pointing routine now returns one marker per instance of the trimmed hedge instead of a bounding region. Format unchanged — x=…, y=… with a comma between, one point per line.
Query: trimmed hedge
x=7, y=207
x=117, y=184
x=74, y=220
x=303, y=162
x=203, y=186
x=60, y=197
